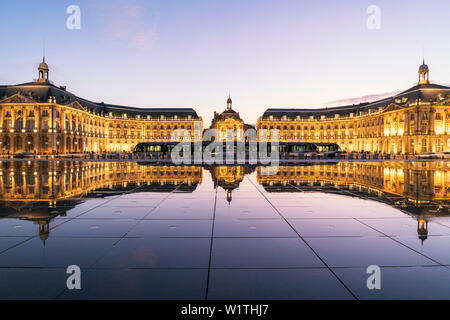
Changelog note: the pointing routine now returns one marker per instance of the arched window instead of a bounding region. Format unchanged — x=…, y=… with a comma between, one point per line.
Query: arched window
x=19, y=124
x=30, y=124
x=44, y=142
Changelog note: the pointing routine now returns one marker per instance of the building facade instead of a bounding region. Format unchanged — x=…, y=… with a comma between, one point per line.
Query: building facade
x=412, y=122
x=228, y=122
x=43, y=118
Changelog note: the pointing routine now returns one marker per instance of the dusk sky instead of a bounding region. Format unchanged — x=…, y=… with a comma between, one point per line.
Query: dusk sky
x=193, y=53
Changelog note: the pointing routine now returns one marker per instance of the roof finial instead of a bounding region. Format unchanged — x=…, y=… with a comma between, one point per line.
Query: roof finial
x=424, y=73
x=43, y=50
x=229, y=103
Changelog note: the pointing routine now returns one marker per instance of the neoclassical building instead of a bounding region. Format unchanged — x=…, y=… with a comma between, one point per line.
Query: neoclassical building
x=41, y=117
x=229, y=121
x=412, y=122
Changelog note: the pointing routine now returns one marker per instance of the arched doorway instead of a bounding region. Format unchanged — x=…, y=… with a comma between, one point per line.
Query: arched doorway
x=44, y=144
x=68, y=145
x=59, y=144
x=17, y=145
x=29, y=144
x=439, y=145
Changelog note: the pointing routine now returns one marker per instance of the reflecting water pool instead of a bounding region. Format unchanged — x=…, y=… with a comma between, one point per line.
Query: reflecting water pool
x=224, y=232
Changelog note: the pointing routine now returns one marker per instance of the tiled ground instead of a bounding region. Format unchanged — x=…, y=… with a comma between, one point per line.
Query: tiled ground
x=262, y=245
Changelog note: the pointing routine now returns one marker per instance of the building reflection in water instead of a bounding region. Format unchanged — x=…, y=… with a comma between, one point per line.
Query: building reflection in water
x=229, y=177
x=40, y=191
x=420, y=189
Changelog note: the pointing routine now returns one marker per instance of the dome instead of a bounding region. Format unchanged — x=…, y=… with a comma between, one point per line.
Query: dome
x=43, y=66
x=43, y=235
x=424, y=67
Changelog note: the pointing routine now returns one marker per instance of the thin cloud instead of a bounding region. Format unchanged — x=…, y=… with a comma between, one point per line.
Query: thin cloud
x=363, y=99
x=145, y=39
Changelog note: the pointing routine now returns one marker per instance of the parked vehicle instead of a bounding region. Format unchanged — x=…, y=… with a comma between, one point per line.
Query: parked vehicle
x=434, y=155
x=329, y=150
x=24, y=155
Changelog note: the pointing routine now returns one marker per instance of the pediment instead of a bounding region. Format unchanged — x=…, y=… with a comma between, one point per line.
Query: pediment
x=77, y=105
x=445, y=102
x=17, y=98
x=392, y=107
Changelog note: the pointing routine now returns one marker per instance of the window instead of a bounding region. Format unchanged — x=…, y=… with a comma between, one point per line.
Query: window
x=424, y=145
x=7, y=124
x=30, y=124
x=19, y=124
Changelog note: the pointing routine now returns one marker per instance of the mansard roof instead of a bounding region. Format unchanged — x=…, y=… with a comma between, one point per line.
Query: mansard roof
x=431, y=93
x=42, y=91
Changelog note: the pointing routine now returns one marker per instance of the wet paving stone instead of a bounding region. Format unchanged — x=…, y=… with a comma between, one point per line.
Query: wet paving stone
x=219, y=234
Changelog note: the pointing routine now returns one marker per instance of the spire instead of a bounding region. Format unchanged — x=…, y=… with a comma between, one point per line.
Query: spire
x=43, y=71
x=229, y=103
x=229, y=196
x=424, y=73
